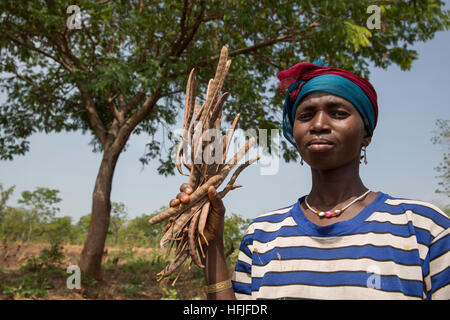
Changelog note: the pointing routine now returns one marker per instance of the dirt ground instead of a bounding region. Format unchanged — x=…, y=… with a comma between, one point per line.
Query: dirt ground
x=118, y=283
x=13, y=255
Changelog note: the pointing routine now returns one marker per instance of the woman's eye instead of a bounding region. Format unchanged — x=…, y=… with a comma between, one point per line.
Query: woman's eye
x=304, y=116
x=340, y=114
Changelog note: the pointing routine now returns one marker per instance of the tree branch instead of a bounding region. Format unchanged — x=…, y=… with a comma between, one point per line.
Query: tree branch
x=252, y=48
x=266, y=59
x=66, y=53
x=94, y=119
x=178, y=50
x=118, y=115
x=31, y=47
x=37, y=87
x=123, y=131
x=259, y=46
x=145, y=109
x=183, y=17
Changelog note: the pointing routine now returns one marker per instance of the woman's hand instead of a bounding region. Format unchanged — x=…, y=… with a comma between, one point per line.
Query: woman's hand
x=216, y=217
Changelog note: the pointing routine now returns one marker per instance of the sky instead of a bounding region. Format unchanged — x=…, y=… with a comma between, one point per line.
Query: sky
x=401, y=157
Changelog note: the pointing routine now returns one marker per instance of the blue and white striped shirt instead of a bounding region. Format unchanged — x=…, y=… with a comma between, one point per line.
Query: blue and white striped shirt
x=393, y=249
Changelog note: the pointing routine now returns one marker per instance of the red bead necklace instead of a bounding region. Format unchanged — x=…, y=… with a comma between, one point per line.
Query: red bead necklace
x=333, y=213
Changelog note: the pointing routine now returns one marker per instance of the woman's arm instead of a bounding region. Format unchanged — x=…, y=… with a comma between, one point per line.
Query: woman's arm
x=216, y=270
x=215, y=262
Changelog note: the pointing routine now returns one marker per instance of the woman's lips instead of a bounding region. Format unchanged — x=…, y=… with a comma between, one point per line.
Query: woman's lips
x=320, y=147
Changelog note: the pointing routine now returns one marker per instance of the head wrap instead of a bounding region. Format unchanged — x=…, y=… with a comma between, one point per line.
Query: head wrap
x=305, y=78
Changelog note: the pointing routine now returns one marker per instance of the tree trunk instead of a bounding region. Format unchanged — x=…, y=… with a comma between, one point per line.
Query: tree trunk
x=91, y=255
x=113, y=143
x=116, y=235
x=30, y=229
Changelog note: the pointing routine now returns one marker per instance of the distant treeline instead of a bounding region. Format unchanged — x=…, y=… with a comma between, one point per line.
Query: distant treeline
x=34, y=220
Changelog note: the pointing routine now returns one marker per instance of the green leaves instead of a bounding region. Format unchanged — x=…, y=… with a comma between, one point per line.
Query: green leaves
x=234, y=227
x=357, y=36
x=403, y=57
x=442, y=137
x=4, y=197
x=41, y=202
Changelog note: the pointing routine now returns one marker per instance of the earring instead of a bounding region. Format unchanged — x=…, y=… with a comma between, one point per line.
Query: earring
x=365, y=155
x=301, y=161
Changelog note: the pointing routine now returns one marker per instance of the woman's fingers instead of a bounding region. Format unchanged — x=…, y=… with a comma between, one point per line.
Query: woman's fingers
x=183, y=196
x=186, y=188
x=174, y=202
x=215, y=223
x=215, y=218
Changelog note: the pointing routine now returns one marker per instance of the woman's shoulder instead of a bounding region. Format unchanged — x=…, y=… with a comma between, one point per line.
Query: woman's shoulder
x=272, y=219
x=418, y=206
x=273, y=214
x=423, y=214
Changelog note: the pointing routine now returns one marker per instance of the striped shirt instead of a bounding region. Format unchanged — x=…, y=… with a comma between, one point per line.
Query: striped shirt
x=393, y=249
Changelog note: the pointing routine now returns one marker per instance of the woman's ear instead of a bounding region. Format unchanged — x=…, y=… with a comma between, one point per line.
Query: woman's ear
x=367, y=138
x=366, y=141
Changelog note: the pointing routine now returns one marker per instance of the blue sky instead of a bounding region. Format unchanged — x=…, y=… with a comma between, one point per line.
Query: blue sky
x=401, y=156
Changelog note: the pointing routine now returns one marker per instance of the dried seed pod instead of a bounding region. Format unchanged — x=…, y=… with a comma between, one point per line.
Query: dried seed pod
x=188, y=213
x=191, y=236
x=178, y=261
x=202, y=221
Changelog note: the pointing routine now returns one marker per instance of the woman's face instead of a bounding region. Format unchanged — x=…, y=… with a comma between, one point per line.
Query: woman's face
x=328, y=131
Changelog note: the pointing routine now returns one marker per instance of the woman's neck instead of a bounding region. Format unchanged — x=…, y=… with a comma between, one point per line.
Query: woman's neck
x=334, y=187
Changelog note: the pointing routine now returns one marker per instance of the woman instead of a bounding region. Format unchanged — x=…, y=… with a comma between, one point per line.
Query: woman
x=342, y=240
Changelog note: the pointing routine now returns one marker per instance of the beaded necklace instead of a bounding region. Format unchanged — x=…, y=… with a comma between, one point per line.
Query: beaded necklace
x=333, y=213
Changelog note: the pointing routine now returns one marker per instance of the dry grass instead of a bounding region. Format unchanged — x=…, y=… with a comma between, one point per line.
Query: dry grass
x=128, y=273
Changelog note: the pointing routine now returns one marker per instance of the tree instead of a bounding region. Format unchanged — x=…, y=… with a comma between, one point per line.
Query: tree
x=447, y=210
x=4, y=197
x=234, y=227
x=59, y=229
x=118, y=219
x=122, y=72
x=40, y=205
x=13, y=226
x=443, y=138
x=140, y=232
x=82, y=227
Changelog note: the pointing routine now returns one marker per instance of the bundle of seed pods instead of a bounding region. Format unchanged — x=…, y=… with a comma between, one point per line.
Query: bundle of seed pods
x=188, y=214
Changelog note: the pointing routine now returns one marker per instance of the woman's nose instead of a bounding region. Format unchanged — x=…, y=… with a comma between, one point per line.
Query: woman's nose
x=320, y=122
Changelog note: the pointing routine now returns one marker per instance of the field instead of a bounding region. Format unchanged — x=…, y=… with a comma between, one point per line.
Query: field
x=38, y=271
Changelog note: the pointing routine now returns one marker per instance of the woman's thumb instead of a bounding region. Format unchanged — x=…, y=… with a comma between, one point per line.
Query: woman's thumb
x=216, y=202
